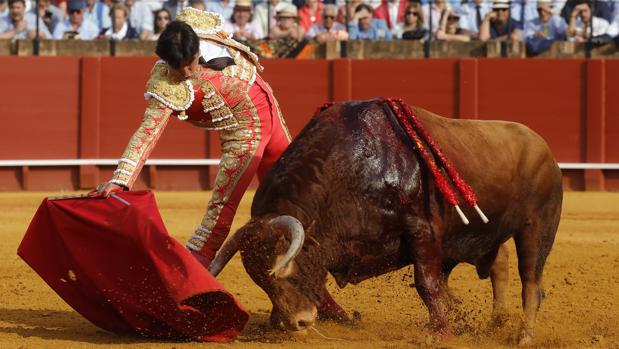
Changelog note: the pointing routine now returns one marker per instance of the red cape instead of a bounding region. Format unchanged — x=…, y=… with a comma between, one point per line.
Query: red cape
x=115, y=264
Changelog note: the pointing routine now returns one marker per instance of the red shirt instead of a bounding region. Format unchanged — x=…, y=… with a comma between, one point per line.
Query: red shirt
x=307, y=18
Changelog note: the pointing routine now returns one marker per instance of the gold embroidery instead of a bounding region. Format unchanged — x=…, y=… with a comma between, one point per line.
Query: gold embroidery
x=169, y=90
x=201, y=22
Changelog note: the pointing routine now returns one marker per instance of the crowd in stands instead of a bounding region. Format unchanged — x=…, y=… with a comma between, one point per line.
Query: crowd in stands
x=537, y=22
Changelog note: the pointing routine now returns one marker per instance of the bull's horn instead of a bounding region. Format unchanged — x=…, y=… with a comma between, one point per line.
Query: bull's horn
x=297, y=234
x=227, y=251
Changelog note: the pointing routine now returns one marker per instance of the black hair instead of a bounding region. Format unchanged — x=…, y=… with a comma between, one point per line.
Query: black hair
x=11, y=2
x=156, y=14
x=178, y=44
x=362, y=6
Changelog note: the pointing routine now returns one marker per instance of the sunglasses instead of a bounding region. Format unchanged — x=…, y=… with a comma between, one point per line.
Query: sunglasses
x=166, y=18
x=412, y=13
x=500, y=10
x=328, y=17
x=71, y=12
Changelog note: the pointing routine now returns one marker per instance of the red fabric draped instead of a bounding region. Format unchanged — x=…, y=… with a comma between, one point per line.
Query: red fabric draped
x=117, y=266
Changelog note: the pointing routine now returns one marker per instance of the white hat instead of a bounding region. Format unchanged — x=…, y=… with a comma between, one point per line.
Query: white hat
x=544, y=3
x=286, y=9
x=497, y=4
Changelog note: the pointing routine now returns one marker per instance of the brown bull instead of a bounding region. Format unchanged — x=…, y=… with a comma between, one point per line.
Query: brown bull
x=350, y=197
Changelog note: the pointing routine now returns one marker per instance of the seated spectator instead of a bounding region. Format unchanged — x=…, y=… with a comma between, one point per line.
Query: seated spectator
x=364, y=27
x=392, y=12
x=98, y=13
x=241, y=23
x=122, y=29
x=50, y=14
x=197, y=4
x=75, y=27
x=498, y=25
x=473, y=13
x=603, y=9
x=432, y=15
x=329, y=29
x=261, y=15
x=310, y=14
x=223, y=7
x=413, y=28
x=19, y=25
x=541, y=32
x=4, y=9
x=287, y=23
x=449, y=29
x=581, y=21
x=162, y=19
x=140, y=18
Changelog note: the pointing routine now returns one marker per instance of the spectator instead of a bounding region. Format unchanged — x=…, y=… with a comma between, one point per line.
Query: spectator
x=392, y=12
x=241, y=23
x=541, y=32
x=581, y=21
x=140, y=18
x=432, y=15
x=223, y=7
x=261, y=15
x=287, y=23
x=162, y=19
x=98, y=13
x=413, y=28
x=18, y=25
x=310, y=13
x=197, y=4
x=75, y=27
x=4, y=9
x=472, y=15
x=50, y=14
x=365, y=27
x=603, y=9
x=498, y=25
x=329, y=29
x=122, y=29
x=449, y=29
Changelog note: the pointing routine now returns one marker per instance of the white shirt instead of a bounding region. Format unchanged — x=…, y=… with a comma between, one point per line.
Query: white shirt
x=210, y=50
x=141, y=17
x=600, y=26
x=393, y=8
x=253, y=27
x=117, y=36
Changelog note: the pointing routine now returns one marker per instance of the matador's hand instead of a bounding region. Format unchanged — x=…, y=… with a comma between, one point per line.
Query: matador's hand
x=105, y=189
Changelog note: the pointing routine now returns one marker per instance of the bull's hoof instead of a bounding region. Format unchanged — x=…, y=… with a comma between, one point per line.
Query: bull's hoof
x=525, y=337
x=338, y=315
x=439, y=337
x=499, y=319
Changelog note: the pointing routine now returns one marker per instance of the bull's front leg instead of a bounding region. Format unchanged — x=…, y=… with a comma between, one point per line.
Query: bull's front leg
x=428, y=276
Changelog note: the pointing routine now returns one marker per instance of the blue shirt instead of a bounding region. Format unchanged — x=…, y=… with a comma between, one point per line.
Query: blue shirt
x=378, y=31
x=87, y=30
x=217, y=7
x=530, y=12
x=6, y=24
x=99, y=15
x=556, y=28
x=507, y=30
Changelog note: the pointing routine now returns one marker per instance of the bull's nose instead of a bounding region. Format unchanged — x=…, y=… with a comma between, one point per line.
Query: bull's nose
x=304, y=319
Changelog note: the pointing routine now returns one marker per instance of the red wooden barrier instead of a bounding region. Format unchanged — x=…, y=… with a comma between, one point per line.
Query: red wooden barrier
x=89, y=107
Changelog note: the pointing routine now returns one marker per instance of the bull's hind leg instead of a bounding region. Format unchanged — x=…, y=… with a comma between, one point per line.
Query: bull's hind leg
x=499, y=277
x=533, y=245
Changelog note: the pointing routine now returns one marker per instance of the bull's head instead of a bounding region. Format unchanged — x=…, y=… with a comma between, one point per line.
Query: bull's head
x=275, y=257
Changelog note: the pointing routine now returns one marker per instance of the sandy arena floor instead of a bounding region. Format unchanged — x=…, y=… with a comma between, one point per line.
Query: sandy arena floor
x=581, y=309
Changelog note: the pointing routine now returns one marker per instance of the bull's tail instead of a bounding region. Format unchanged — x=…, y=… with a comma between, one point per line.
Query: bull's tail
x=414, y=129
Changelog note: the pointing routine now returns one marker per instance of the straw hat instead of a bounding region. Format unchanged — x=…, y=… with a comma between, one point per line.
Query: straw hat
x=498, y=4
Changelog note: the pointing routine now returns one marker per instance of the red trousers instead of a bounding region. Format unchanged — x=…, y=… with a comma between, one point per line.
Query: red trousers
x=251, y=148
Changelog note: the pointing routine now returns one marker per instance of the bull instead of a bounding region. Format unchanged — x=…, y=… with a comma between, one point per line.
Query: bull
x=351, y=198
